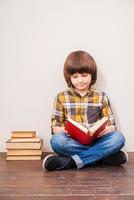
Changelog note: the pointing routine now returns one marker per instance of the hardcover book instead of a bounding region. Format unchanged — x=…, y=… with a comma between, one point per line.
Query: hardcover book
x=34, y=139
x=24, y=145
x=23, y=158
x=82, y=134
x=23, y=134
x=24, y=152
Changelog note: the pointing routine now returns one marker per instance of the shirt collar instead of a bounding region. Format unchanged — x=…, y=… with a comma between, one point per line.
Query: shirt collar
x=76, y=93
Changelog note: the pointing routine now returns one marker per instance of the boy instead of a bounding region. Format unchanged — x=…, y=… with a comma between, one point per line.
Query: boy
x=85, y=105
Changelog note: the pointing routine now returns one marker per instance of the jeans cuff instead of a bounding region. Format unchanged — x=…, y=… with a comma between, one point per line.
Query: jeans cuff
x=78, y=161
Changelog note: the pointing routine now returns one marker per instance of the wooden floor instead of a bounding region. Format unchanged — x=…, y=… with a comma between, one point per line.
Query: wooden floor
x=26, y=180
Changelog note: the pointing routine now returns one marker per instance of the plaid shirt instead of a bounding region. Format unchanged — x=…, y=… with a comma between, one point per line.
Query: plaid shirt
x=85, y=110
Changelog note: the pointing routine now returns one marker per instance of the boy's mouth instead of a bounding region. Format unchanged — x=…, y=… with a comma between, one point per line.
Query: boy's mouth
x=80, y=85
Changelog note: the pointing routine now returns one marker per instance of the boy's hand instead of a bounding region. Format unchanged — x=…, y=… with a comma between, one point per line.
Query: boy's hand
x=106, y=131
x=58, y=129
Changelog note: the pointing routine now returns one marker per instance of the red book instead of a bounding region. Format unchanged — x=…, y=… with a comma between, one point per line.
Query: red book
x=83, y=134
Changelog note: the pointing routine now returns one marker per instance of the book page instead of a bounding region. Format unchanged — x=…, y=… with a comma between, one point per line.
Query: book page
x=78, y=125
x=98, y=124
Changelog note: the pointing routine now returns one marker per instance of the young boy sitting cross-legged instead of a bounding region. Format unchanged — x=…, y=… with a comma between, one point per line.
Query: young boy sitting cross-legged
x=83, y=103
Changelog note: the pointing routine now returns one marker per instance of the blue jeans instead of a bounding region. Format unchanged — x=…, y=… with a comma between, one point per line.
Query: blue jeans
x=84, y=155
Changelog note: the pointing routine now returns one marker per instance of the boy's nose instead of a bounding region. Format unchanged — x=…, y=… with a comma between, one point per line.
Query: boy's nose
x=80, y=79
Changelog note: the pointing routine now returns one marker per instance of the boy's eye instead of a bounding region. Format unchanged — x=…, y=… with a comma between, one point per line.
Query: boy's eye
x=84, y=74
x=74, y=75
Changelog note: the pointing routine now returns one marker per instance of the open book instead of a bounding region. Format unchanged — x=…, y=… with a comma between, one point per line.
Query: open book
x=83, y=134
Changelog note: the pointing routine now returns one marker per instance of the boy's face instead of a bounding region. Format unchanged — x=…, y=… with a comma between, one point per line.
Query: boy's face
x=81, y=82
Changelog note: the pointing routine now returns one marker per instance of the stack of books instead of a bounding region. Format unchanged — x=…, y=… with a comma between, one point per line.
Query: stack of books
x=24, y=145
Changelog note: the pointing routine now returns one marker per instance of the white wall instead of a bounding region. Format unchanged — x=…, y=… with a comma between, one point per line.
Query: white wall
x=35, y=38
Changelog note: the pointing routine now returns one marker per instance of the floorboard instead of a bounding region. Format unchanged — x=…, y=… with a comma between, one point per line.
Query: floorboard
x=26, y=180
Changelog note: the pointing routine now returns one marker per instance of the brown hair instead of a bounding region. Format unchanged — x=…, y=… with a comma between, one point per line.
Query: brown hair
x=80, y=62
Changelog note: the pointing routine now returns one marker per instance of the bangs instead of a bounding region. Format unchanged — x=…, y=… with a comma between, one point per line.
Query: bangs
x=78, y=62
x=78, y=69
